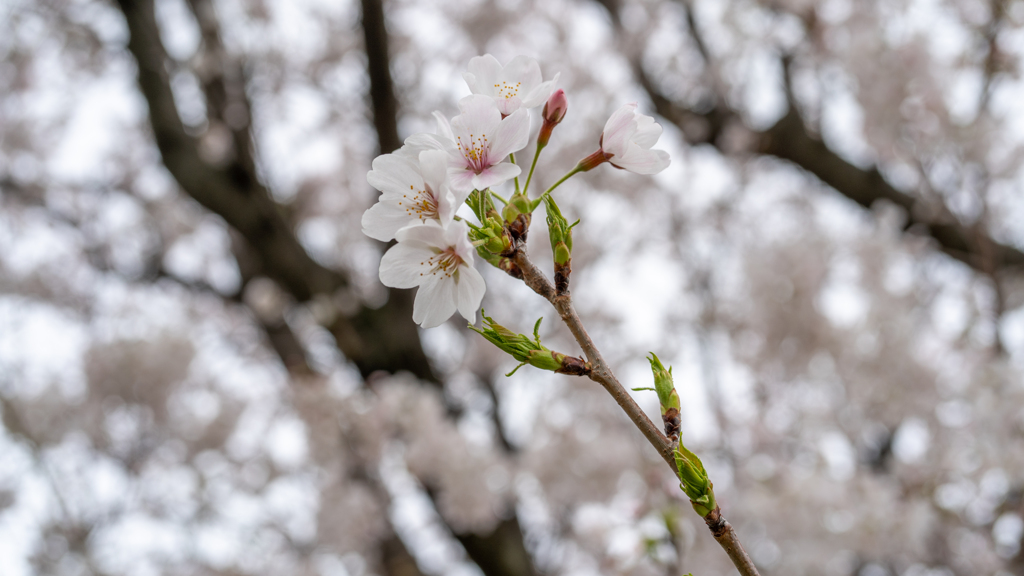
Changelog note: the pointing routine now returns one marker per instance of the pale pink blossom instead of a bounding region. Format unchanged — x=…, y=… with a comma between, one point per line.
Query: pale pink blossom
x=440, y=261
x=415, y=189
x=478, y=141
x=517, y=85
x=626, y=143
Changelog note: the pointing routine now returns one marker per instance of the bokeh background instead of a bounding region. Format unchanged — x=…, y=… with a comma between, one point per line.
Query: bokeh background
x=200, y=373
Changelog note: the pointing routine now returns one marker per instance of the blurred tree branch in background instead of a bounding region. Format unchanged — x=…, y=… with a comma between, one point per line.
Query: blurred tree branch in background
x=792, y=140
x=374, y=339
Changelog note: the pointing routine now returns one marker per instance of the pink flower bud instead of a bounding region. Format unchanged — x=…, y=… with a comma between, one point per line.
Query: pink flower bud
x=554, y=110
x=556, y=107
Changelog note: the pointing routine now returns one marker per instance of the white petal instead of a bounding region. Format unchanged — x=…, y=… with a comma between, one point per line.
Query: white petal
x=458, y=197
x=640, y=161
x=394, y=173
x=458, y=235
x=420, y=142
x=471, y=288
x=484, y=71
x=512, y=134
x=524, y=71
x=436, y=301
x=472, y=82
x=619, y=128
x=461, y=181
x=493, y=176
x=480, y=115
x=647, y=132
x=508, y=105
x=444, y=127
x=431, y=233
x=384, y=219
x=434, y=168
x=540, y=94
x=403, y=265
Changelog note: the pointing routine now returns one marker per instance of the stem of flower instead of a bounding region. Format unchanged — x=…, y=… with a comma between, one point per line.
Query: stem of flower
x=512, y=157
x=533, y=165
x=498, y=197
x=568, y=175
x=600, y=372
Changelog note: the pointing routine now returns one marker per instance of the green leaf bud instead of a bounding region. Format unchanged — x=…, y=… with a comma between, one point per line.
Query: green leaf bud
x=663, y=384
x=694, y=481
x=530, y=351
x=559, y=231
x=560, y=234
x=517, y=215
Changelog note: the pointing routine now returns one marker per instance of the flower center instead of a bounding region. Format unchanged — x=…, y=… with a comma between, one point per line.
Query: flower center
x=422, y=204
x=506, y=90
x=445, y=262
x=474, y=151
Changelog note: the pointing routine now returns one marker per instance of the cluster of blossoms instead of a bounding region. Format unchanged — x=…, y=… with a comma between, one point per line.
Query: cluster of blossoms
x=424, y=184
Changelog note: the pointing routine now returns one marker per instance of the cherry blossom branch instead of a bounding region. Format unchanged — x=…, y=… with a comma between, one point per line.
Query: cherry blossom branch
x=601, y=373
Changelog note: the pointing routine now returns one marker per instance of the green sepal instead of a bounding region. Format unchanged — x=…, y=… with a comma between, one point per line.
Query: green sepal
x=517, y=204
x=482, y=204
x=488, y=256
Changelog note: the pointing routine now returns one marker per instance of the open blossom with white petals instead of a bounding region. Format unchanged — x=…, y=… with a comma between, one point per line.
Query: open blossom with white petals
x=517, y=85
x=478, y=140
x=415, y=189
x=440, y=261
x=627, y=139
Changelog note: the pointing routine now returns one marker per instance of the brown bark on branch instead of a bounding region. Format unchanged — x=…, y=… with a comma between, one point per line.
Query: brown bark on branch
x=789, y=139
x=602, y=374
x=378, y=67
x=727, y=539
x=382, y=339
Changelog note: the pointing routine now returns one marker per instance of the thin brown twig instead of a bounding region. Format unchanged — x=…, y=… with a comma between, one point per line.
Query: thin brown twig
x=722, y=531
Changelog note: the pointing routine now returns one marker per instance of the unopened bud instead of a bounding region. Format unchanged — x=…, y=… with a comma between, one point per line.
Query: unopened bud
x=492, y=239
x=554, y=111
x=663, y=384
x=560, y=234
x=556, y=107
x=530, y=351
x=517, y=214
x=667, y=397
x=694, y=481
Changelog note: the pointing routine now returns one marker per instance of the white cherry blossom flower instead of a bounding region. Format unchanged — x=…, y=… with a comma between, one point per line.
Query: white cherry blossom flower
x=627, y=139
x=517, y=85
x=477, y=141
x=440, y=261
x=415, y=189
